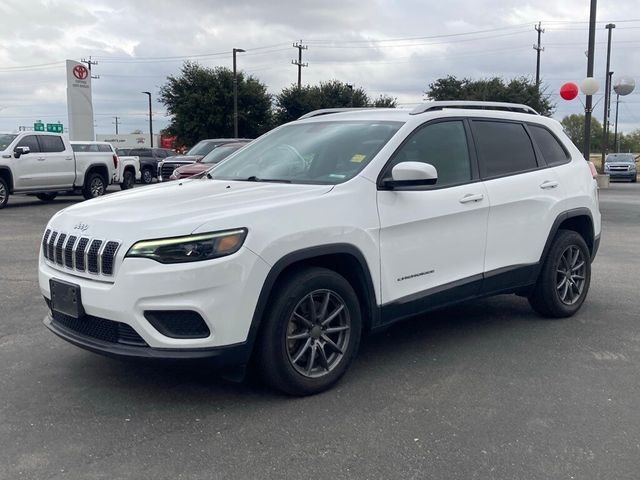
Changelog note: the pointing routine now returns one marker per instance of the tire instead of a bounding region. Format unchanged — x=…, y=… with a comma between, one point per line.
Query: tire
x=4, y=193
x=634, y=179
x=46, y=197
x=317, y=358
x=128, y=179
x=94, y=186
x=146, y=177
x=555, y=294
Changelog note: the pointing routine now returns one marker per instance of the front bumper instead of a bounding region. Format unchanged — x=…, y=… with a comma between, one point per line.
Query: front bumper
x=621, y=175
x=221, y=357
x=222, y=291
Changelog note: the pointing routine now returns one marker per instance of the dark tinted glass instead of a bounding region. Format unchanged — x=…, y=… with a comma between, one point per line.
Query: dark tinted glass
x=29, y=141
x=549, y=145
x=140, y=152
x=503, y=148
x=83, y=147
x=104, y=148
x=443, y=145
x=51, y=143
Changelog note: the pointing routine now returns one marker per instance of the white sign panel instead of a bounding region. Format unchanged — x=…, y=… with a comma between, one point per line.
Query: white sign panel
x=132, y=140
x=79, y=104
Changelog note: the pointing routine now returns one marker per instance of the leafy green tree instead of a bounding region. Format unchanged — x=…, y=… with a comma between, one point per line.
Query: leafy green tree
x=291, y=102
x=200, y=101
x=574, y=128
x=516, y=90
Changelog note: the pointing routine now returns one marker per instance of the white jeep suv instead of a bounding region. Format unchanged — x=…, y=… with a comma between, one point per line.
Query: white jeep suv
x=334, y=225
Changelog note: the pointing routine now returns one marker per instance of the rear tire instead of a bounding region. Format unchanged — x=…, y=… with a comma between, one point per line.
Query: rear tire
x=146, y=176
x=4, y=193
x=564, y=280
x=128, y=179
x=310, y=332
x=94, y=187
x=46, y=197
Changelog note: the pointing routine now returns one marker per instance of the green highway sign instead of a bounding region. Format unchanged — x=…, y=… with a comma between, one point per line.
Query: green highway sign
x=54, y=127
x=38, y=126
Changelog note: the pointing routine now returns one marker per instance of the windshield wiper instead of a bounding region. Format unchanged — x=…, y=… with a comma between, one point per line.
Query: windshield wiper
x=253, y=178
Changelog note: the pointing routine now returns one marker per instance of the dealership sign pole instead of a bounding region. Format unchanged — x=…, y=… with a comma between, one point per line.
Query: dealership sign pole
x=79, y=102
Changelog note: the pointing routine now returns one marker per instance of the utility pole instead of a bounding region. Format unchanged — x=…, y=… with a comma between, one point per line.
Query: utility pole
x=615, y=134
x=116, y=118
x=150, y=120
x=299, y=63
x=89, y=64
x=589, y=100
x=607, y=95
x=235, y=92
x=538, y=49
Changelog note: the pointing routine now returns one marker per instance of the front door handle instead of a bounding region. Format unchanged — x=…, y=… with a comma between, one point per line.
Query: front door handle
x=472, y=197
x=41, y=159
x=69, y=158
x=548, y=184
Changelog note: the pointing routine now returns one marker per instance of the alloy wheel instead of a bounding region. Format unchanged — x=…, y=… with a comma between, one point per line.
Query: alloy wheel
x=570, y=275
x=317, y=334
x=3, y=193
x=97, y=187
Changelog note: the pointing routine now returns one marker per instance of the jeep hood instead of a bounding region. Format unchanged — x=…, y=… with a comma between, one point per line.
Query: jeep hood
x=179, y=207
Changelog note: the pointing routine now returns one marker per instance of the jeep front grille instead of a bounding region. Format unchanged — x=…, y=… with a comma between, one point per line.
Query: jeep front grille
x=82, y=254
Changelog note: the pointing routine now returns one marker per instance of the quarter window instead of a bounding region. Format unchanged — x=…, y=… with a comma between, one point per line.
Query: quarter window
x=51, y=143
x=503, y=148
x=553, y=153
x=30, y=141
x=104, y=148
x=443, y=145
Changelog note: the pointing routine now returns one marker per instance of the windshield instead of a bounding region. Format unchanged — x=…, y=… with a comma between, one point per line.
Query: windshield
x=318, y=152
x=202, y=148
x=218, y=154
x=123, y=151
x=6, y=139
x=620, y=157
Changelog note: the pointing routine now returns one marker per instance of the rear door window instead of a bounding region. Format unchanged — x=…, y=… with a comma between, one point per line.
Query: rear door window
x=51, y=143
x=504, y=148
x=104, y=148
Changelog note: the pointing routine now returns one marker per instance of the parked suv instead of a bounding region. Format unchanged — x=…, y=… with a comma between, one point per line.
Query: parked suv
x=149, y=158
x=323, y=229
x=621, y=165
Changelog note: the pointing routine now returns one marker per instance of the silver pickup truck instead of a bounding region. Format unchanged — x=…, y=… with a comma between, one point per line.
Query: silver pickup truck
x=44, y=164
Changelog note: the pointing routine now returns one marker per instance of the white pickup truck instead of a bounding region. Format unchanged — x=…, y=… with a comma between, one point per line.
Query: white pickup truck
x=127, y=168
x=44, y=164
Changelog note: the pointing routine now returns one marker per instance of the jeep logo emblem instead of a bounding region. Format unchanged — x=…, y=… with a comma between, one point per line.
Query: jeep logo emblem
x=83, y=227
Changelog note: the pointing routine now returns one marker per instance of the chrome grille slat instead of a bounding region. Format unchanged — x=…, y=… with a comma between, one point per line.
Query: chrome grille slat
x=95, y=256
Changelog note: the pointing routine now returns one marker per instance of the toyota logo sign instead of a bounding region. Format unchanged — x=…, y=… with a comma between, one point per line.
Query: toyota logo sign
x=80, y=72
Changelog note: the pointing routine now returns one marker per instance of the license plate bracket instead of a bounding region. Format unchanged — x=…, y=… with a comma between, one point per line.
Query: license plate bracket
x=66, y=298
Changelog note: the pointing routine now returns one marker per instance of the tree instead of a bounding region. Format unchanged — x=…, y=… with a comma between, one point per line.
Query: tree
x=200, y=101
x=137, y=131
x=574, y=128
x=292, y=102
x=517, y=90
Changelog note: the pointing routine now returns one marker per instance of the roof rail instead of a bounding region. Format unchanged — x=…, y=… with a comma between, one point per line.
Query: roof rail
x=327, y=111
x=473, y=105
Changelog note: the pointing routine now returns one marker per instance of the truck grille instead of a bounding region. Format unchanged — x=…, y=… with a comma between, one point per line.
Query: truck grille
x=167, y=169
x=82, y=254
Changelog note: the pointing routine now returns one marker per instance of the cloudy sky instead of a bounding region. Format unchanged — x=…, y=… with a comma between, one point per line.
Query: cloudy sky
x=394, y=47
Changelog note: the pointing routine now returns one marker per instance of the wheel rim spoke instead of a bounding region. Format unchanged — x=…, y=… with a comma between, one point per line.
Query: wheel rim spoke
x=298, y=336
x=302, y=351
x=333, y=346
x=303, y=319
x=324, y=362
x=325, y=304
x=335, y=313
x=336, y=329
x=312, y=358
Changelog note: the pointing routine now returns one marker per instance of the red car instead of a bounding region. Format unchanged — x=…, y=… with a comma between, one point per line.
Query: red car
x=215, y=156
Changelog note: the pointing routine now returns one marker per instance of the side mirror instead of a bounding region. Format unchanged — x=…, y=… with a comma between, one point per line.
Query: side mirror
x=20, y=151
x=411, y=174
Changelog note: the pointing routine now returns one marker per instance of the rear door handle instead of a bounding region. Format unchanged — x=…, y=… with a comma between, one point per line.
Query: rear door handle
x=472, y=197
x=69, y=158
x=548, y=184
x=41, y=159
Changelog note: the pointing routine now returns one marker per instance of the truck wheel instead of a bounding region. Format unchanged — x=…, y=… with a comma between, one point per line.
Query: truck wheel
x=128, y=179
x=4, y=193
x=94, y=187
x=565, y=277
x=147, y=176
x=46, y=197
x=311, y=332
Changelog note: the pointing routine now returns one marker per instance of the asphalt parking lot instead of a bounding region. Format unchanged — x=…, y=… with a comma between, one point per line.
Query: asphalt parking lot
x=485, y=390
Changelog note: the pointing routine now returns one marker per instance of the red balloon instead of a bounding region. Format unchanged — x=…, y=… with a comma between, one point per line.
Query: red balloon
x=569, y=91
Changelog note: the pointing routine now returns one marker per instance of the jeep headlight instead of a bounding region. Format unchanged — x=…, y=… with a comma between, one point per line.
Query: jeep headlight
x=190, y=248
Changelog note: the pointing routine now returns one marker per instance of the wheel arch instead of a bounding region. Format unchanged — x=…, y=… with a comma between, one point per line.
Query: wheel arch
x=579, y=220
x=97, y=168
x=345, y=259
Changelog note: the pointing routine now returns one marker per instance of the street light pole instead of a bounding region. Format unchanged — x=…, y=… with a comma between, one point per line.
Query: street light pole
x=150, y=120
x=589, y=100
x=607, y=95
x=235, y=93
x=615, y=131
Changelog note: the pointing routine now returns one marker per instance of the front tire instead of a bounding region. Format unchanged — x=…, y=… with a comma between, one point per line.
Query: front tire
x=565, y=277
x=311, y=332
x=4, y=193
x=94, y=187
